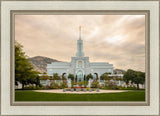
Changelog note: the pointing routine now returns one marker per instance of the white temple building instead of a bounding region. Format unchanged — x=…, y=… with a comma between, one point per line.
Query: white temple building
x=79, y=65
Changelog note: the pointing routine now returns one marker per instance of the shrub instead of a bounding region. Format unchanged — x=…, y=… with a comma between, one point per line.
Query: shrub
x=88, y=88
x=89, y=76
x=71, y=76
x=80, y=84
x=85, y=83
x=32, y=88
x=54, y=85
x=95, y=84
x=105, y=77
x=73, y=83
x=64, y=84
x=63, y=77
x=56, y=77
x=44, y=77
x=112, y=85
x=106, y=83
x=128, y=88
x=47, y=87
x=40, y=85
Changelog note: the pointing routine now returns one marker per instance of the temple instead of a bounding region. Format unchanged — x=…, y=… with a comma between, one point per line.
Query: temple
x=79, y=65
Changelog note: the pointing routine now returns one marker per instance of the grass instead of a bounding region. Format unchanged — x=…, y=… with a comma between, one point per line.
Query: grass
x=29, y=95
x=122, y=88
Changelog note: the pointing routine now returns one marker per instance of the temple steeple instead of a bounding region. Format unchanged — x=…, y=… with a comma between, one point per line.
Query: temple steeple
x=79, y=32
x=80, y=45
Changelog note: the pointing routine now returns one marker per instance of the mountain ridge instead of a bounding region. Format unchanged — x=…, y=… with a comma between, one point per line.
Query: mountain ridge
x=39, y=63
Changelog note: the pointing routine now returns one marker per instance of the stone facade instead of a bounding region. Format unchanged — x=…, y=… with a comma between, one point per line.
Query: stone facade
x=79, y=65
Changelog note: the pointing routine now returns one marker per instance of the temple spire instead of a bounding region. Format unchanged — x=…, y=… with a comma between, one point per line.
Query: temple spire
x=80, y=45
x=79, y=32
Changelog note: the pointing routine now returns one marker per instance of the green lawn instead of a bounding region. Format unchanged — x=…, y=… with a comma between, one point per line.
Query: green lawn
x=29, y=95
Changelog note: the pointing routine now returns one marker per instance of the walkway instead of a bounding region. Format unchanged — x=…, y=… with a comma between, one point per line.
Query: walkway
x=80, y=92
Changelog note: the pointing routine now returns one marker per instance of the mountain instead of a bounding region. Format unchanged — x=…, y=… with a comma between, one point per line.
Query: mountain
x=118, y=71
x=40, y=63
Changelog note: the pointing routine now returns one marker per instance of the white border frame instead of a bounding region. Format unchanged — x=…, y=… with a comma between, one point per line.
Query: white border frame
x=152, y=6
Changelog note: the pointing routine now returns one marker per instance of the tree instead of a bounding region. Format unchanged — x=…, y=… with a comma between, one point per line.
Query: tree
x=56, y=77
x=108, y=73
x=63, y=76
x=37, y=82
x=44, y=77
x=84, y=77
x=33, y=78
x=139, y=78
x=95, y=84
x=76, y=79
x=129, y=75
x=23, y=68
x=96, y=76
x=71, y=76
x=89, y=76
x=136, y=77
x=105, y=77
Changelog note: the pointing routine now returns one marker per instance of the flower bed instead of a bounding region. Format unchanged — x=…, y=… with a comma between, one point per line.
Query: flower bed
x=80, y=89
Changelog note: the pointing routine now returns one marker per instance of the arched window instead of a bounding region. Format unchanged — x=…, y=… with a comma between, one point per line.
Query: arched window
x=79, y=64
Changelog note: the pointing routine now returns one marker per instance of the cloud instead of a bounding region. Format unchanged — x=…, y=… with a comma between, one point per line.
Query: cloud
x=117, y=39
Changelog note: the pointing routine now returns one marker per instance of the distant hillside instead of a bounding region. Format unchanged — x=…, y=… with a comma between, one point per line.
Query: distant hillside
x=40, y=63
x=118, y=71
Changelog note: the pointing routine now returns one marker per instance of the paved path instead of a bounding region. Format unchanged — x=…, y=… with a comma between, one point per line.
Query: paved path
x=80, y=92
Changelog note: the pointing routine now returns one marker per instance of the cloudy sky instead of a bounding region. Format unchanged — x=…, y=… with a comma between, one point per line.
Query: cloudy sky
x=117, y=39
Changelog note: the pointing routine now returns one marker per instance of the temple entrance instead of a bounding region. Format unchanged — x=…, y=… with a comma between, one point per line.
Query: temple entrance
x=79, y=75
